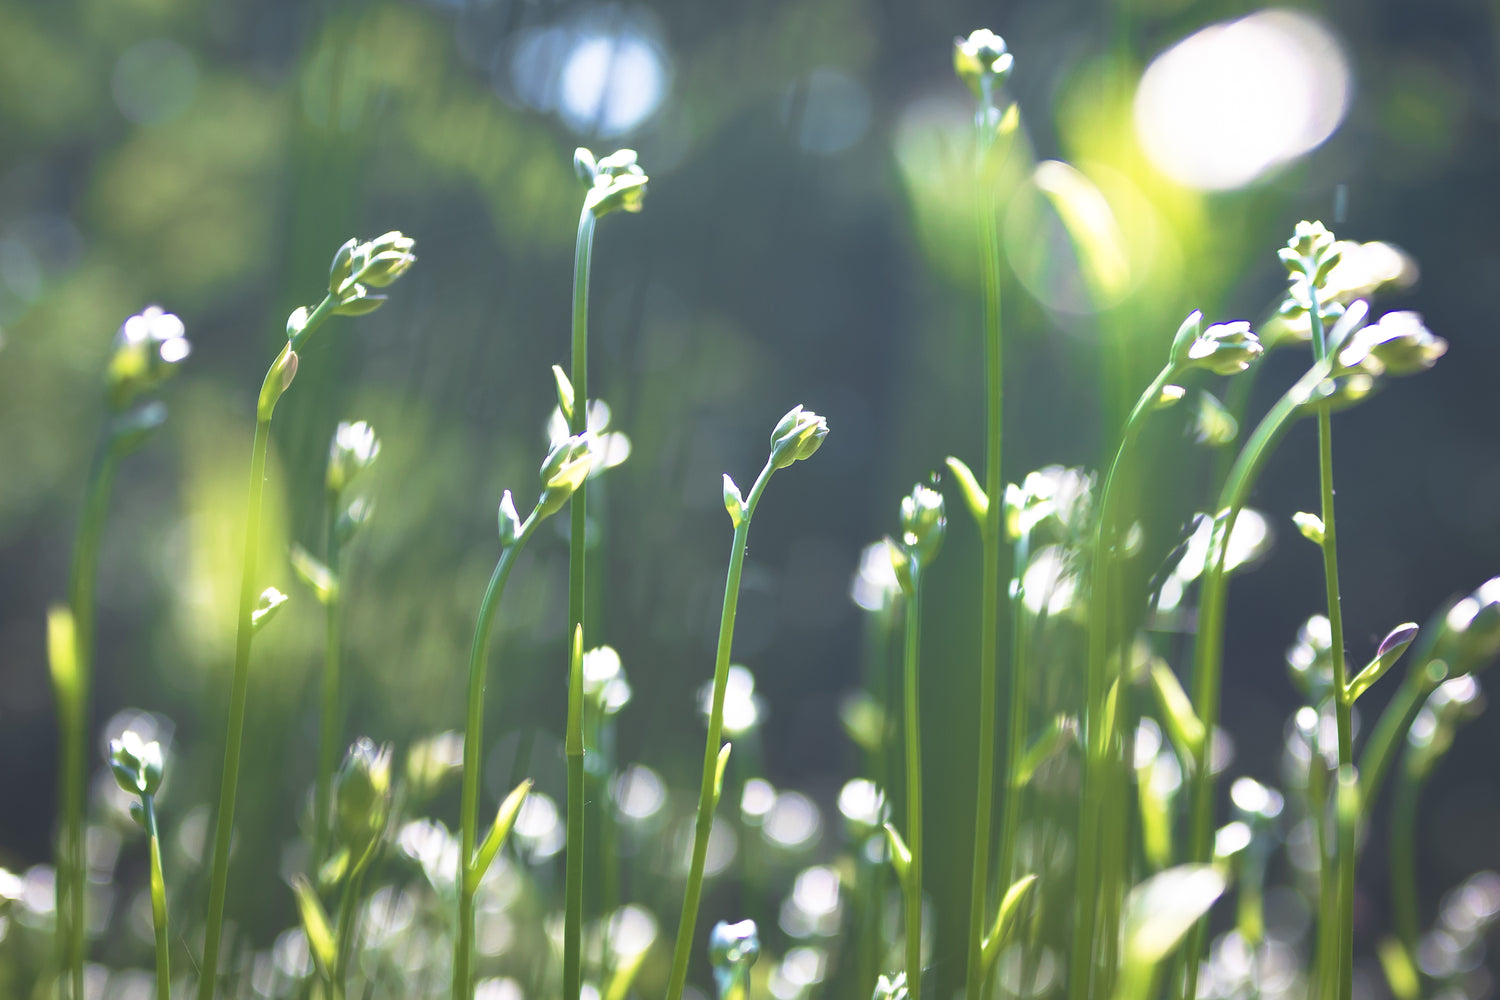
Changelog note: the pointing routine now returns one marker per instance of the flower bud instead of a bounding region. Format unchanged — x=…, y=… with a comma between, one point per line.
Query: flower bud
x=797, y=436
x=1310, y=240
x=733, y=501
x=136, y=763
x=732, y=950
x=1310, y=658
x=922, y=523
x=362, y=794
x=353, y=449
x=891, y=988
x=510, y=521
x=1471, y=631
x=566, y=467
x=618, y=183
x=982, y=61
x=354, y=517
x=1224, y=348
x=343, y=263
x=267, y=606
x=148, y=348
x=384, y=259
x=1399, y=344
x=585, y=166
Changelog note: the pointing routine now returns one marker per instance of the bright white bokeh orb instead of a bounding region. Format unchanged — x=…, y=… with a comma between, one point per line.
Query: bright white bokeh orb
x=1231, y=102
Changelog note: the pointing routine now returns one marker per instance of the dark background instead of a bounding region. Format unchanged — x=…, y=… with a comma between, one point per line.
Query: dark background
x=803, y=240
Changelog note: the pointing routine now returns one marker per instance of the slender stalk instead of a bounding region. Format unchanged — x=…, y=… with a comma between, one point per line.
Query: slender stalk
x=682, y=950
x=348, y=909
x=989, y=633
x=1343, y=710
x=1403, y=835
x=463, y=941
x=331, y=728
x=73, y=708
x=1421, y=680
x=913, y=717
x=275, y=382
x=577, y=538
x=158, y=900
x=1095, y=781
x=1020, y=683
x=1208, y=650
x=573, y=884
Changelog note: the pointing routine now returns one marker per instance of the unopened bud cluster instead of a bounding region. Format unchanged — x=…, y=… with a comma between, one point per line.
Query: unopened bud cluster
x=982, y=62
x=797, y=436
x=148, y=349
x=136, y=763
x=615, y=182
x=732, y=950
x=566, y=467
x=1224, y=348
x=353, y=449
x=358, y=267
x=923, y=523
x=362, y=795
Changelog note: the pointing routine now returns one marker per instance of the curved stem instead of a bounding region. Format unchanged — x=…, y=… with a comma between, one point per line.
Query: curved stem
x=239, y=690
x=577, y=540
x=1208, y=650
x=682, y=950
x=73, y=723
x=1095, y=780
x=989, y=634
x=158, y=900
x=1403, y=854
x=272, y=386
x=913, y=717
x=331, y=729
x=463, y=940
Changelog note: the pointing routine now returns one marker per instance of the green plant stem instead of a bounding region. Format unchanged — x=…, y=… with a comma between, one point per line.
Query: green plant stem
x=577, y=539
x=73, y=708
x=1020, y=685
x=1380, y=749
x=158, y=900
x=989, y=633
x=1404, y=800
x=682, y=950
x=1343, y=709
x=913, y=725
x=272, y=387
x=463, y=940
x=1208, y=650
x=573, y=883
x=1095, y=782
x=348, y=908
x=331, y=729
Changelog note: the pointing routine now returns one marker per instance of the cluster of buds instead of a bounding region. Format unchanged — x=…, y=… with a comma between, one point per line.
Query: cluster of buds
x=148, y=349
x=136, y=763
x=1055, y=498
x=923, y=524
x=353, y=449
x=358, y=267
x=362, y=797
x=732, y=950
x=891, y=988
x=797, y=436
x=982, y=62
x=1224, y=348
x=1398, y=343
x=1470, y=634
x=604, y=682
x=614, y=182
x=1310, y=658
x=566, y=467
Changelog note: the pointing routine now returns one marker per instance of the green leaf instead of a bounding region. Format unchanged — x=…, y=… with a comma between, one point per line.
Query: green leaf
x=1183, y=725
x=1007, y=922
x=1390, y=651
x=313, y=573
x=62, y=654
x=1400, y=973
x=1090, y=222
x=900, y=855
x=315, y=925
x=722, y=763
x=505, y=819
x=973, y=493
x=1160, y=911
x=564, y=393
x=1054, y=739
x=266, y=608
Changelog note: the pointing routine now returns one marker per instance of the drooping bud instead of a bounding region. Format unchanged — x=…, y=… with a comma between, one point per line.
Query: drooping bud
x=362, y=795
x=136, y=763
x=1399, y=344
x=353, y=449
x=148, y=348
x=922, y=523
x=732, y=950
x=1224, y=349
x=982, y=61
x=619, y=183
x=797, y=436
